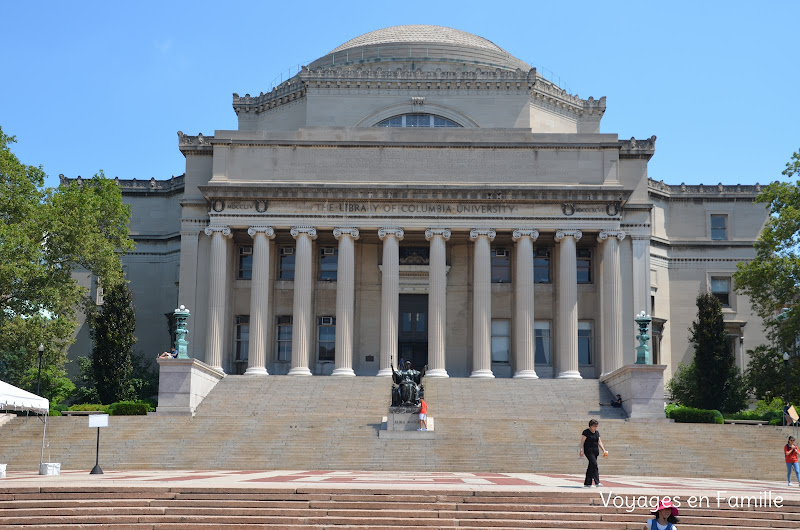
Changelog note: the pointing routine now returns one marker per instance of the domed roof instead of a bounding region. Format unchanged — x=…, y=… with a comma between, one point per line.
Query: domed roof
x=420, y=45
x=419, y=33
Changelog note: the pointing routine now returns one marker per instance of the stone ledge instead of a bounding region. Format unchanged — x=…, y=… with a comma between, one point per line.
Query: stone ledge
x=642, y=389
x=183, y=384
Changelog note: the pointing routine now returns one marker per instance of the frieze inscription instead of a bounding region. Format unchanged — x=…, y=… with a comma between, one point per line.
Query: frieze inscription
x=415, y=208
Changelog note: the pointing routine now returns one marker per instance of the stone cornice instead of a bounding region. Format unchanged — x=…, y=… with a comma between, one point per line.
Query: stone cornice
x=428, y=192
x=701, y=191
x=195, y=145
x=170, y=186
x=360, y=78
x=637, y=149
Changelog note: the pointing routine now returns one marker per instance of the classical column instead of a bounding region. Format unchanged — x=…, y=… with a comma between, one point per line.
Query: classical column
x=259, y=300
x=482, y=302
x=217, y=291
x=390, y=298
x=187, y=278
x=524, y=339
x=568, y=304
x=345, y=297
x=303, y=315
x=437, y=301
x=612, y=300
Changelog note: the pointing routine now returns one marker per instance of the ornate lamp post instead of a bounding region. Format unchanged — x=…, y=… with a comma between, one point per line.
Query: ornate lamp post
x=39, y=376
x=643, y=350
x=181, y=314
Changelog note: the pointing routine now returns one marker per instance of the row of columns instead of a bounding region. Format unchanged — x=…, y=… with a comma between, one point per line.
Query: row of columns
x=303, y=325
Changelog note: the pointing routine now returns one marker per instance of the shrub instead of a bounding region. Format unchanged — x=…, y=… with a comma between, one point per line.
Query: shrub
x=54, y=412
x=692, y=415
x=129, y=408
x=89, y=406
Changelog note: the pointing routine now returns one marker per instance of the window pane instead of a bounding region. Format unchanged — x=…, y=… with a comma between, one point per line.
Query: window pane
x=405, y=321
x=584, y=265
x=500, y=340
x=720, y=287
x=438, y=121
x=284, y=332
x=328, y=262
x=501, y=266
x=287, y=267
x=395, y=121
x=500, y=327
x=420, y=322
x=418, y=120
x=245, y=270
x=719, y=225
x=541, y=266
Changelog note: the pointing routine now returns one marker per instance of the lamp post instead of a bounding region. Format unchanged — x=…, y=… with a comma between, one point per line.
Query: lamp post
x=39, y=376
x=786, y=371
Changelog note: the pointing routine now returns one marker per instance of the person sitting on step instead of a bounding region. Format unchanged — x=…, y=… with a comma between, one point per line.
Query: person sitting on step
x=617, y=403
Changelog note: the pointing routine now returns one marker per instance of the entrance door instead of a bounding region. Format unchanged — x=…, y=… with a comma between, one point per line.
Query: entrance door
x=413, y=330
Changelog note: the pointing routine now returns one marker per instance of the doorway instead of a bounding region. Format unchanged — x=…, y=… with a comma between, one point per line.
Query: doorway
x=413, y=330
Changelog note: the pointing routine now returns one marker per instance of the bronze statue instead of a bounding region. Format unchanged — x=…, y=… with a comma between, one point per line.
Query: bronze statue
x=407, y=388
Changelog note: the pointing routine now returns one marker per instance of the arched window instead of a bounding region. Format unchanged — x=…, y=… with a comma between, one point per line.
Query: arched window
x=417, y=120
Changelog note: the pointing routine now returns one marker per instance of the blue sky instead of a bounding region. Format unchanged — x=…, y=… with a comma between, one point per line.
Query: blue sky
x=86, y=86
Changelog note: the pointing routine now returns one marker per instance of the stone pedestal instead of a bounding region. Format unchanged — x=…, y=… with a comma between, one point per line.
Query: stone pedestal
x=402, y=424
x=642, y=389
x=183, y=383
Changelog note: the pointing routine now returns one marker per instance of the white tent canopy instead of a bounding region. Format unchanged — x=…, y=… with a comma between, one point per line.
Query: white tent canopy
x=13, y=398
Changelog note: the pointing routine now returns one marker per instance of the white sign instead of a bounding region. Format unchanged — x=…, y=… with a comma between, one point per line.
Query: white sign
x=98, y=420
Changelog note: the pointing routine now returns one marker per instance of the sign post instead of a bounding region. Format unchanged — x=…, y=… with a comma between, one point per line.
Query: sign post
x=97, y=420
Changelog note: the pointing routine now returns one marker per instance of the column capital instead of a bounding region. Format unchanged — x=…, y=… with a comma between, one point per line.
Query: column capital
x=575, y=234
x=224, y=230
x=345, y=231
x=444, y=232
x=519, y=233
x=475, y=233
x=266, y=230
x=310, y=231
x=390, y=231
x=605, y=234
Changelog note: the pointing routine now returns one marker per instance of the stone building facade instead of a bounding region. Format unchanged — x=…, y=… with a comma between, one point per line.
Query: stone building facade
x=419, y=193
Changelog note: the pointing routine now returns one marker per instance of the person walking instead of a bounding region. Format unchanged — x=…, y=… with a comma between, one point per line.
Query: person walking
x=423, y=415
x=590, y=446
x=664, y=516
x=791, y=453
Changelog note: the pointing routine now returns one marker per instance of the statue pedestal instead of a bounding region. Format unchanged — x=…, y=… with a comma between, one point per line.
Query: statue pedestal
x=182, y=385
x=402, y=424
x=642, y=389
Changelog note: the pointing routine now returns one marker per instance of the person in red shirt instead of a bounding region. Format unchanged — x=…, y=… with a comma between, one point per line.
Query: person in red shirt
x=790, y=451
x=423, y=416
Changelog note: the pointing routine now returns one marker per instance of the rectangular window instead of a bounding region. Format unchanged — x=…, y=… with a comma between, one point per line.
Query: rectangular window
x=287, y=264
x=326, y=338
x=721, y=288
x=541, y=339
x=501, y=340
x=585, y=350
x=541, y=265
x=328, y=261
x=242, y=337
x=245, y=269
x=719, y=227
x=584, y=256
x=501, y=265
x=284, y=338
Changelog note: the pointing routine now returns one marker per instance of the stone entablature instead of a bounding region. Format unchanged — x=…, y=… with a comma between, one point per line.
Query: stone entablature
x=168, y=186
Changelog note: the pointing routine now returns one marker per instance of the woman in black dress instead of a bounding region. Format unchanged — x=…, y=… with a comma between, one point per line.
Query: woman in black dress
x=590, y=446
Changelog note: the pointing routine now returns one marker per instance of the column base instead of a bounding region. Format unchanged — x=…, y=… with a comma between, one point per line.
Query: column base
x=482, y=374
x=256, y=371
x=569, y=374
x=526, y=374
x=437, y=373
x=300, y=370
x=346, y=372
x=385, y=372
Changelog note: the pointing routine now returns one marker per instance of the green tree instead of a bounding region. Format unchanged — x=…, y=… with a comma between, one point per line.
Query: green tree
x=772, y=279
x=112, y=327
x=712, y=381
x=45, y=235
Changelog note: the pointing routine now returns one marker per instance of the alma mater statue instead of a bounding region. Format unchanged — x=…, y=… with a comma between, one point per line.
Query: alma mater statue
x=407, y=389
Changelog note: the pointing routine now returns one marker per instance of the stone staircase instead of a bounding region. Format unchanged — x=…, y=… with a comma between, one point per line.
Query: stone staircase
x=500, y=425
x=178, y=508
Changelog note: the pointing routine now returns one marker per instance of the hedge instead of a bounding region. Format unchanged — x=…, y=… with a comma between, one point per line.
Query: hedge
x=129, y=408
x=692, y=415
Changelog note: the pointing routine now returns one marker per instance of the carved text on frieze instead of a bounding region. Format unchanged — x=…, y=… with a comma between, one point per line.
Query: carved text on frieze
x=406, y=208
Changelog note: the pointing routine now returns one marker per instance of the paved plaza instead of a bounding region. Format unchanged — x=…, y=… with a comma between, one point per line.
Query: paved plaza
x=409, y=481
